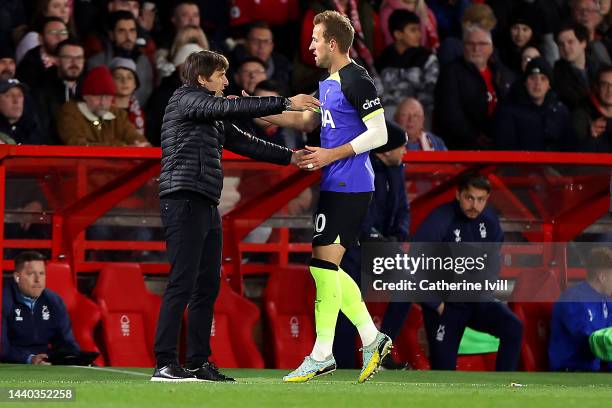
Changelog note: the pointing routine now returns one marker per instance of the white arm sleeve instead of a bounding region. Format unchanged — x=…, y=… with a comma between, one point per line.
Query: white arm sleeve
x=374, y=137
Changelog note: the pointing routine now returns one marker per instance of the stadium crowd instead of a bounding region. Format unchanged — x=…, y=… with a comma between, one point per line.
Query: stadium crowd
x=505, y=75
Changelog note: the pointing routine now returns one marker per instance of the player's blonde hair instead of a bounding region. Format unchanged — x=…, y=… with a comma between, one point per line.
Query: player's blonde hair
x=337, y=27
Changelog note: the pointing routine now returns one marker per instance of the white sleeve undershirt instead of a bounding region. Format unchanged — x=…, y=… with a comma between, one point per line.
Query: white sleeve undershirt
x=375, y=136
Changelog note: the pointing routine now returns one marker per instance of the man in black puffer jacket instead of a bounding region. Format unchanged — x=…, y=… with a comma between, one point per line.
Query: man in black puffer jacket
x=195, y=129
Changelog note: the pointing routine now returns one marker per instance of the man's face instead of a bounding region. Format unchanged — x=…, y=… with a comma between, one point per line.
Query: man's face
x=410, y=116
x=186, y=15
x=216, y=83
x=31, y=279
x=604, y=278
x=587, y=13
x=410, y=36
x=128, y=5
x=7, y=68
x=521, y=34
x=321, y=48
x=11, y=104
x=478, y=48
x=59, y=8
x=71, y=62
x=249, y=75
x=537, y=86
x=604, y=89
x=472, y=201
x=98, y=104
x=54, y=33
x=124, y=34
x=570, y=48
x=260, y=43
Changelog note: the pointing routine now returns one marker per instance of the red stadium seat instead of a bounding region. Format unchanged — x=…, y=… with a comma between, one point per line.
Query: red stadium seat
x=231, y=338
x=289, y=301
x=535, y=317
x=84, y=314
x=129, y=316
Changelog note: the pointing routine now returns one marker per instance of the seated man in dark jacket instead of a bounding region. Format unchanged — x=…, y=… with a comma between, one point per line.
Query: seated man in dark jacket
x=35, y=322
x=17, y=124
x=535, y=120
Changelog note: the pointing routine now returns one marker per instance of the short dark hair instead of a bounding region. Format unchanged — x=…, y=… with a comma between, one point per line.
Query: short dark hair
x=179, y=3
x=117, y=16
x=606, y=69
x=68, y=42
x=400, y=18
x=580, y=31
x=270, y=85
x=27, y=256
x=246, y=60
x=47, y=20
x=337, y=27
x=599, y=258
x=259, y=24
x=474, y=180
x=203, y=63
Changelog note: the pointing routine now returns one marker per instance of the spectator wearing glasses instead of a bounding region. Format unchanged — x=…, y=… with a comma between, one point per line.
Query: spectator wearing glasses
x=467, y=93
x=34, y=67
x=61, y=87
x=259, y=43
x=249, y=73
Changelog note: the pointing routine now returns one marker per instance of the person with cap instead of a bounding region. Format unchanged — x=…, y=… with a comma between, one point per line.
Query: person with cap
x=94, y=121
x=581, y=325
x=126, y=82
x=593, y=120
x=523, y=31
x=7, y=62
x=535, y=119
x=161, y=95
x=35, y=322
x=387, y=219
x=61, y=87
x=18, y=125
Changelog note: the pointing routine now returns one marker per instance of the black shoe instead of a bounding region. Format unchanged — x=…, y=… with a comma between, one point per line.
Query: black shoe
x=173, y=373
x=209, y=372
x=389, y=363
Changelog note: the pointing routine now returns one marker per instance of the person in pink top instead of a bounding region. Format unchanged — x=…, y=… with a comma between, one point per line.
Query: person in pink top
x=429, y=26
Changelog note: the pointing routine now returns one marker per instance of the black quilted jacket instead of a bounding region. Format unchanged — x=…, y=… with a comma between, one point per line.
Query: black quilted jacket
x=196, y=128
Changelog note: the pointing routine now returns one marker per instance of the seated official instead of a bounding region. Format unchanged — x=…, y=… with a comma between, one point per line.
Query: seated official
x=582, y=320
x=35, y=322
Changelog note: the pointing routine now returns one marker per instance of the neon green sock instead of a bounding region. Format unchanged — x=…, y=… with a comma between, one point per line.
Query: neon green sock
x=353, y=305
x=328, y=299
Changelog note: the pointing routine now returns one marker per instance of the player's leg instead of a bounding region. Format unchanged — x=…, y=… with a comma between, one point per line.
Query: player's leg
x=498, y=320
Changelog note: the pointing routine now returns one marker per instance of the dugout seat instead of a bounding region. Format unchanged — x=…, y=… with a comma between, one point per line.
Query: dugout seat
x=84, y=313
x=129, y=316
x=535, y=317
x=231, y=337
x=289, y=304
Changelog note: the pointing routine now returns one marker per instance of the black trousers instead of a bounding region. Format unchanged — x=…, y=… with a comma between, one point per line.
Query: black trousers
x=444, y=332
x=193, y=239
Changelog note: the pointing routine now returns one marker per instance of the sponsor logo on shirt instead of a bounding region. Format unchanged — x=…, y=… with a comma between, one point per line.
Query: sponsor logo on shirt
x=368, y=104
